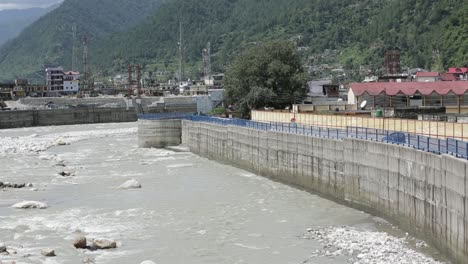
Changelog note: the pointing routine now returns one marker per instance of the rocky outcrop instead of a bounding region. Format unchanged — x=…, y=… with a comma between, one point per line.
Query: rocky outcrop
x=30, y=205
x=131, y=184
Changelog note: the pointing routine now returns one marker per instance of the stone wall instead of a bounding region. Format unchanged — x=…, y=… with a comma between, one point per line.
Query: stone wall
x=419, y=191
x=29, y=118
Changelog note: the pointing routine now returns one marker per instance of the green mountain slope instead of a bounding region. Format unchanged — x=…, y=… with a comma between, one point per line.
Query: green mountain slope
x=12, y=22
x=432, y=34
x=429, y=33
x=232, y=25
x=49, y=40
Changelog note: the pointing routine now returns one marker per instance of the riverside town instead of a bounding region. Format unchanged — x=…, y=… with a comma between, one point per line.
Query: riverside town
x=228, y=131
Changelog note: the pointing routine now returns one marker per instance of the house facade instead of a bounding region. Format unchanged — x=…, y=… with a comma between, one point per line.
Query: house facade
x=71, y=82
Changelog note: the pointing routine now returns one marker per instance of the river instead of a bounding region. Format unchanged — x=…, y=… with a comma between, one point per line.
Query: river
x=189, y=209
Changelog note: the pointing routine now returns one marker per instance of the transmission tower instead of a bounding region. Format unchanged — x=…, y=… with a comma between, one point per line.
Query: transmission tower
x=181, y=54
x=85, y=62
x=74, y=48
x=131, y=83
x=207, y=61
x=392, y=62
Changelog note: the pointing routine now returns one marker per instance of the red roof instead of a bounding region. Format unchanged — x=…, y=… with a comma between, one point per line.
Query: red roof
x=458, y=70
x=427, y=74
x=448, y=77
x=409, y=88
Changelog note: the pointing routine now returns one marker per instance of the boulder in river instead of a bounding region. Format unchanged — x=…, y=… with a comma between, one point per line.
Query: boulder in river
x=30, y=205
x=131, y=184
x=102, y=243
x=12, y=185
x=48, y=252
x=80, y=242
x=3, y=248
x=66, y=174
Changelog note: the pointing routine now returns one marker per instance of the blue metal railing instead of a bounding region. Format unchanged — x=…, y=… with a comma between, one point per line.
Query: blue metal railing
x=449, y=146
x=161, y=116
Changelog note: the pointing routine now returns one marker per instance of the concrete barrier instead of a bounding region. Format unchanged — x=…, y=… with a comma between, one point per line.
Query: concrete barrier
x=30, y=118
x=421, y=192
x=159, y=133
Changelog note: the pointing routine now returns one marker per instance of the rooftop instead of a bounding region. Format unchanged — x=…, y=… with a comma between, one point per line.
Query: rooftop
x=458, y=70
x=409, y=88
x=427, y=74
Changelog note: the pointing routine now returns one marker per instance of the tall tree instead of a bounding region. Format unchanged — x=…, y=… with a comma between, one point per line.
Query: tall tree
x=266, y=75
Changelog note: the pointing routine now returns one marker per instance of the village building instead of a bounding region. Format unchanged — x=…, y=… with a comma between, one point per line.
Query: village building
x=451, y=95
x=427, y=77
x=59, y=82
x=54, y=79
x=459, y=74
x=71, y=82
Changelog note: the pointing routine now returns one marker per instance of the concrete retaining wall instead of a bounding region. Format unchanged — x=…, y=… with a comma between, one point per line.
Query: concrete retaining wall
x=159, y=133
x=29, y=118
x=419, y=191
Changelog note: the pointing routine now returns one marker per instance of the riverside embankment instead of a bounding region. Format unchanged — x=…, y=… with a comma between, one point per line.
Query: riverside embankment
x=31, y=118
x=419, y=191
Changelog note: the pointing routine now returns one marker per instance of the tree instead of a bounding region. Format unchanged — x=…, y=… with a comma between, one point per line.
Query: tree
x=266, y=75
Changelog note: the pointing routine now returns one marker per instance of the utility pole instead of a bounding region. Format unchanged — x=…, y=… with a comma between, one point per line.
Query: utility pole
x=138, y=69
x=181, y=54
x=130, y=81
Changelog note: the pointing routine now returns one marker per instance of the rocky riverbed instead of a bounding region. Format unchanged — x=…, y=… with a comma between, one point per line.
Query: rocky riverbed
x=90, y=195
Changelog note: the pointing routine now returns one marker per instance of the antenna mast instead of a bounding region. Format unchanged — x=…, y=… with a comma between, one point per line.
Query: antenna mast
x=74, y=47
x=181, y=53
x=207, y=61
x=85, y=61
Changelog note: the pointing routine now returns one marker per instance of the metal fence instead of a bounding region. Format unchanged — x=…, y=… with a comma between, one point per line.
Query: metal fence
x=427, y=128
x=162, y=116
x=438, y=146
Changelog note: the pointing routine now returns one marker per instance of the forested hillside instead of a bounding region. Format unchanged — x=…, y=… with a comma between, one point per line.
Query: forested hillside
x=430, y=33
x=49, y=40
x=12, y=22
x=232, y=25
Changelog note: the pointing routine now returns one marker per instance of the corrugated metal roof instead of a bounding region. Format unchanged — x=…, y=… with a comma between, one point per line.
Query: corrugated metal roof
x=427, y=74
x=410, y=88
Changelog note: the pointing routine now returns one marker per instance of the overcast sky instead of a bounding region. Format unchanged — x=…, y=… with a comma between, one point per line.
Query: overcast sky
x=21, y=4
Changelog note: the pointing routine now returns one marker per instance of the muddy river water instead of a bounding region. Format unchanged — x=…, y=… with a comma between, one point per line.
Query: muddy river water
x=189, y=209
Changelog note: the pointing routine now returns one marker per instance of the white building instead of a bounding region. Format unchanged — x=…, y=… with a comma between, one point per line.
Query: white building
x=71, y=82
x=60, y=82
